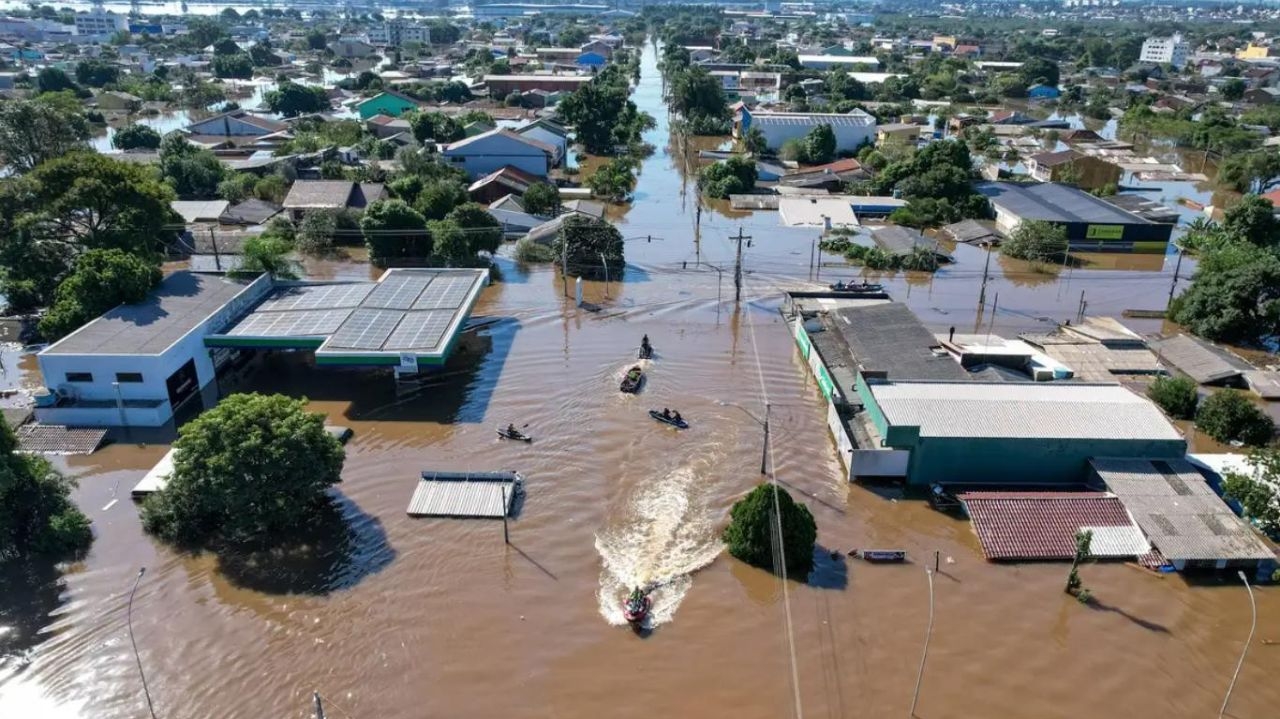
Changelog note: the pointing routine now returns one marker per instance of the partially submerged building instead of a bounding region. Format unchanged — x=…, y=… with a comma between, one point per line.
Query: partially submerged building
x=1092, y=224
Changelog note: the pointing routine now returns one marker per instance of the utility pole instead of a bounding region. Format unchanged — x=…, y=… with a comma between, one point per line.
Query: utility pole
x=315, y=697
x=924, y=656
x=1176, y=269
x=217, y=260
x=982, y=293
x=764, y=452
x=605, y=263
x=564, y=260
x=737, y=267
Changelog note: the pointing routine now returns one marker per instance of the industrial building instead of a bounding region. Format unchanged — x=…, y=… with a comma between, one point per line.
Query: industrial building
x=138, y=364
x=1092, y=224
x=1011, y=433
x=851, y=130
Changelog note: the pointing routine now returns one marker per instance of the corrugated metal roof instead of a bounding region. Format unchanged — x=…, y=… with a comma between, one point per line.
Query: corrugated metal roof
x=1178, y=511
x=1055, y=203
x=36, y=438
x=1199, y=360
x=1030, y=410
x=857, y=118
x=461, y=494
x=1043, y=525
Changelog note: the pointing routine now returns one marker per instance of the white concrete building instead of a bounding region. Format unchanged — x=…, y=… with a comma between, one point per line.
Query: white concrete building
x=395, y=33
x=100, y=22
x=1171, y=50
x=851, y=130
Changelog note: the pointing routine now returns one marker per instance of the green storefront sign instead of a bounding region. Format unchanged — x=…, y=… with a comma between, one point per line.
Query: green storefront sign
x=802, y=339
x=824, y=382
x=1104, y=232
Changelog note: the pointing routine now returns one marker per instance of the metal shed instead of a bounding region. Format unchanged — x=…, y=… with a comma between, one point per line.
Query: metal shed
x=465, y=494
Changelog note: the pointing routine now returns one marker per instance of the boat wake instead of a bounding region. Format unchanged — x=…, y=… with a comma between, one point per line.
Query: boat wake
x=665, y=535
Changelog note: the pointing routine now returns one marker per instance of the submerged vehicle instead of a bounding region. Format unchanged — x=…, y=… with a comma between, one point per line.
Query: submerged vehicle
x=674, y=420
x=513, y=433
x=636, y=608
x=631, y=383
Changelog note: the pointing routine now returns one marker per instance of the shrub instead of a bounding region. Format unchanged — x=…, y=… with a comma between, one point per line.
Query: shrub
x=750, y=538
x=541, y=199
x=1229, y=416
x=1177, y=396
x=529, y=251
x=1036, y=240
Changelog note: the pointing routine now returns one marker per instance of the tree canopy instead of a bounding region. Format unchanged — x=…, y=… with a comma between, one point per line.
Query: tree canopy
x=1229, y=416
x=615, y=180
x=751, y=540
x=482, y=230
x=602, y=113
x=734, y=176
x=395, y=231
x=437, y=198
x=32, y=132
x=36, y=512
x=540, y=199
x=1036, y=241
x=1256, y=490
x=132, y=137
x=251, y=469
x=100, y=280
x=193, y=172
x=291, y=99
x=587, y=239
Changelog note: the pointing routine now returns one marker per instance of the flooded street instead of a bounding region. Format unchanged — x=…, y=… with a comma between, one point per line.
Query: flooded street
x=399, y=617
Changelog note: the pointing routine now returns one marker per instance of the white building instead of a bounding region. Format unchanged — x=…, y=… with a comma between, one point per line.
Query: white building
x=826, y=62
x=1165, y=51
x=851, y=130
x=496, y=149
x=100, y=22
x=395, y=33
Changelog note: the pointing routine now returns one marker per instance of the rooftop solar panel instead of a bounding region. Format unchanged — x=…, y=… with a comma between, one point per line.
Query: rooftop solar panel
x=365, y=329
x=446, y=292
x=290, y=324
x=317, y=297
x=421, y=330
x=398, y=291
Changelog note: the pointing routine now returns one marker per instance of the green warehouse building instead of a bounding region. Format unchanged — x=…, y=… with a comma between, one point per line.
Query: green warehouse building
x=1015, y=433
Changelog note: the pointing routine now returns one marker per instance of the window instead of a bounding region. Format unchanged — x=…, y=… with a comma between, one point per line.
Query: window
x=79, y=376
x=128, y=377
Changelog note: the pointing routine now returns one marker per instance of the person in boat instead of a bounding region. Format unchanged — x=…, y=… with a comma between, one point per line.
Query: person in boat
x=838, y=286
x=644, y=344
x=676, y=417
x=511, y=431
x=666, y=413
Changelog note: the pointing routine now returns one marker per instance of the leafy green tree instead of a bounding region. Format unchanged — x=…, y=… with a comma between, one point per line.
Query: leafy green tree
x=1083, y=553
x=615, y=180
x=694, y=93
x=819, y=146
x=52, y=79
x=1253, y=220
x=541, y=199
x=435, y=126
x=1039, y=70
x=1177, y=396
x=1233, y=89
x=734, y=176
x=203, y=32
x=237, y=66
x=754, y=521
x=270, y=254
x=237, y=187
x=603, y=115
x=193, y=172
x=482, y=230
x=1229, y=416
x=586, y=239
x=394, y=231
x=317, y=40
x=1233, y=301
x=316, y=232
x=438, y=198
x=36, y=512
x=262, y=55
x=754, y=142
x=291, y=99
x=96, y=73
x=1250, y=171
x=225, y=46
x=1256, y=491
x=102, y=279
x=252, y=469
x=272, y=188
x=132, y=137
x=1036, y=241
x=449, y=244
x=572, y=36
x=33, y=132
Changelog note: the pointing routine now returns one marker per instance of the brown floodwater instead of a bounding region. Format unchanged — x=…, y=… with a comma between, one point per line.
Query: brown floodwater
x=390, y=616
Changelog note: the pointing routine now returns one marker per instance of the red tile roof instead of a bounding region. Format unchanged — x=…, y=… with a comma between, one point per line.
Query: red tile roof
x=1273, y=197
x=1039, y=525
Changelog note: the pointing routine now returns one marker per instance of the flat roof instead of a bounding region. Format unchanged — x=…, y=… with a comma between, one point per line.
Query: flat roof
x=181, y=303
x=1021, y=410
x=1178, y=511
x=464, y=494
x=889, y=337
x=407, y=311
x=1199, y=360
x=1055, y=203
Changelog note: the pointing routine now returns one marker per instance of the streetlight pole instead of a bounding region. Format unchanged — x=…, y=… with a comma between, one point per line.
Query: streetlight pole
x=924, y=655
x=138, y=658
x=764, y=451
x=1254, y=625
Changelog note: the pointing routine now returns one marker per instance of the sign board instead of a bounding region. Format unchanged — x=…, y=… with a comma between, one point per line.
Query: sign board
x=1104, y=232
x=802, y=338
x=408, y=362
x=824, y=382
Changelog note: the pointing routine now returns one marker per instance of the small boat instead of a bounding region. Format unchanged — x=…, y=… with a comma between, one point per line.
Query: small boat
x=646, y=352
x=517, y=435
x=859, y=287
x=631, y=383
x=884, y=556
x=636, y=610
x=677, y=423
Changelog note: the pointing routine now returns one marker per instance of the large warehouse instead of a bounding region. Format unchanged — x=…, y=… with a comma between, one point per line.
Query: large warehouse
x=851, y=130
x=1093, y=225
x=137, y=364
x=1017, y=433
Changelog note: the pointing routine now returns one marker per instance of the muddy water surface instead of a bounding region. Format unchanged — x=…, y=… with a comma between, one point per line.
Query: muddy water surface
x=397, y=617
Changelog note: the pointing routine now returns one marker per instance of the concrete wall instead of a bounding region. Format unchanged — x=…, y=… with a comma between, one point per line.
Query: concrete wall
x=980, y=460
x=156, y=416
x=830, y=392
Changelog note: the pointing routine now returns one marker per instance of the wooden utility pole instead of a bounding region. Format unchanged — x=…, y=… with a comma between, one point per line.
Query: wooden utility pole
x=564, y=260
x=764, y=453
x=982, y=293
x=1177, y=268
x=737, y=267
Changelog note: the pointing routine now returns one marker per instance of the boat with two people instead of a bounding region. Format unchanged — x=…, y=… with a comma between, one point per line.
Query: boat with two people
x=880, y=556
x=636, y=609
x=666, y=416
x=646, y=349
x=510, y=432
x=856, y=287
x=631, y=383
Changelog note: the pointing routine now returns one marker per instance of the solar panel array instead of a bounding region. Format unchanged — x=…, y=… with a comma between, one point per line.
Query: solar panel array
x=366, y=329
x=307, y=323
x=312, y=297
x=445, y=292
x=398, y=292
x=421, y=330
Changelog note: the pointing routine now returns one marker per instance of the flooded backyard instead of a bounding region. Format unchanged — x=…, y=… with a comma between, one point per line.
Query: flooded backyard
x=391, y=616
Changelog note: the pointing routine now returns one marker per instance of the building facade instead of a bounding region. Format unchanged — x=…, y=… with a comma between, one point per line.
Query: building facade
x=100, y=22
x=851, y=130
x=1172, y=50
x=395, y=33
